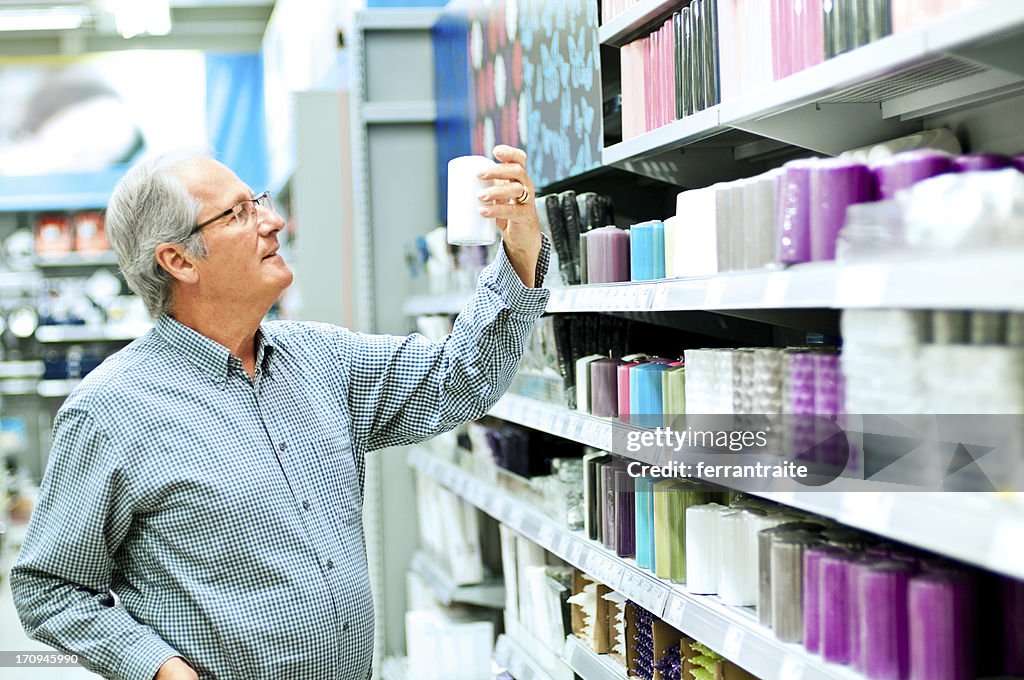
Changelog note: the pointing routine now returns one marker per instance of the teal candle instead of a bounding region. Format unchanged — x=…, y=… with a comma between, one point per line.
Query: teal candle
x=644, y=500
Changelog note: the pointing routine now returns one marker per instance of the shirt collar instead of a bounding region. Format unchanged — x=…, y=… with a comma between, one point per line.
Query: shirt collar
x=212, y=358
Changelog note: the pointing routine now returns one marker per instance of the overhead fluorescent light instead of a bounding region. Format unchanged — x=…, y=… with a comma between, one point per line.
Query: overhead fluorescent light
x=43, y=19
x=138, y=17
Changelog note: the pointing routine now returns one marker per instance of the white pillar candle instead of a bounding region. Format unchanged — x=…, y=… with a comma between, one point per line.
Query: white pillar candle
x=466, y=226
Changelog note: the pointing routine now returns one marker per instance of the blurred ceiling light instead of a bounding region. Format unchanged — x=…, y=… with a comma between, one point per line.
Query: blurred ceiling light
x=137, y=17
x=43, y=18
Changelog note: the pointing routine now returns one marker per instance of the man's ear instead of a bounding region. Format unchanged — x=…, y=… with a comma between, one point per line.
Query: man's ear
x=172, y=258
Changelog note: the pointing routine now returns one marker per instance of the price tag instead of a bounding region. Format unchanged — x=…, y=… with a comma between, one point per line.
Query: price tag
x=861, y=286
x=660, y=298
x=632, y=586
x=714, y=293
x=675, y=610
x=792, y=669
x=562, y=545
x=546, y=537
x=576, y=554
x=775, y=289
x=733, y=643
x=515, y=517
x=614, y=570
x=594, y=564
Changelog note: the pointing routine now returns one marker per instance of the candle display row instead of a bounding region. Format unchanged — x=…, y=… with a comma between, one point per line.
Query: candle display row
x=673, y=72
x=564, y=217
x=712, y=50
x=888, y=611
x=942, y=361
x=797, y=213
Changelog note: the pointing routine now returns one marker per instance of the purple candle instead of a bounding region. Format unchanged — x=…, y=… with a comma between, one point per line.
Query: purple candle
x=1012, y=592
x=834, y=186
x=981, y=161
x=793, y=213
x=937, y=605
x=1018, y=162
x=604, y=387
x=813, y=595
x=625, y=515
x=836, y=623
x=799, y=402
x=906, y=169
x=607, y=255
x=884, y=631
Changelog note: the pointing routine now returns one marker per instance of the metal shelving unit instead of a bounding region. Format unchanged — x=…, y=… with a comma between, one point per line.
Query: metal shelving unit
x=488, y=594
x=982, y=280
x=861, y=97
x=733, y=632
x=937, y=521
x=590, y=665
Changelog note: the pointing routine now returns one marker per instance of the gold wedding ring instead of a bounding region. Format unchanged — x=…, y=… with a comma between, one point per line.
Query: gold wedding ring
x=524, y=197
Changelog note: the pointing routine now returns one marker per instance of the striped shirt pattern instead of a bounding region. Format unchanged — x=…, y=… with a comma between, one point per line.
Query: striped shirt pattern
x=188, y=509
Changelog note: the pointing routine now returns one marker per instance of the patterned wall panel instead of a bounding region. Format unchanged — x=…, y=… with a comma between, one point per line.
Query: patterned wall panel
x=534, y=81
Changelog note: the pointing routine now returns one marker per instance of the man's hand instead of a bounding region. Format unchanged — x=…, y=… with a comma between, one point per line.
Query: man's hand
x=517, y=219
x=176, y=668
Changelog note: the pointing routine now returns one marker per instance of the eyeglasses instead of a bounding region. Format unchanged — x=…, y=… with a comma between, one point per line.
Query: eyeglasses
x=243, y=212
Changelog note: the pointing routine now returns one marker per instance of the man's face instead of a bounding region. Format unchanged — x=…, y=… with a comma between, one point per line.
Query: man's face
x=242, y=266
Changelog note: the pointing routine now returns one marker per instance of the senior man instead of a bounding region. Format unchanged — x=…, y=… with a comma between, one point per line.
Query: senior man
x=200, y=513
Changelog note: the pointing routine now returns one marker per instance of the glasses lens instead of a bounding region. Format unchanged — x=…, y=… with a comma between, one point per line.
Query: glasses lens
x=265, y=201
x=244, y=212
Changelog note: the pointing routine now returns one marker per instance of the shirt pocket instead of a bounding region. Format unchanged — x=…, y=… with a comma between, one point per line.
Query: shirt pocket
x=332, y=468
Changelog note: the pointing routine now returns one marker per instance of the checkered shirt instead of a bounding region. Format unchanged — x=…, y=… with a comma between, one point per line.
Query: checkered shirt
x=189, y=510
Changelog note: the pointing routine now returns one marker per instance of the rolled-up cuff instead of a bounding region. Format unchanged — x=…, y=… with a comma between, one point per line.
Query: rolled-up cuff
x=501, y=277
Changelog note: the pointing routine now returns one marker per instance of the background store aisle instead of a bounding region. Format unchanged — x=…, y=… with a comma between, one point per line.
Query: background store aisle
x=12, y=635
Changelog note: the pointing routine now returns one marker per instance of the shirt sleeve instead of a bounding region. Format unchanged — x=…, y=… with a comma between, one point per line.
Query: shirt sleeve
x=405, y=389
x=62, y=576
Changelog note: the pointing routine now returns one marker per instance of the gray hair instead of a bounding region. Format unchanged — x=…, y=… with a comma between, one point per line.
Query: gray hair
x=149, y=206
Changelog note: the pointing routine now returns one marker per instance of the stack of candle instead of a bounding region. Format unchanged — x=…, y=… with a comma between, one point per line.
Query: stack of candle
x=672, y=72
x=608, y=255
x=567, y=218
x=647, y=251
x=643, y=661
x=901, y=361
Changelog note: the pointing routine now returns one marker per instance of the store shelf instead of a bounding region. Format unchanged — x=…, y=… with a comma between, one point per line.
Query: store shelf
x=111, y=333
x=941, y=522
x=400, y=112
x=731, y=631
x=986, y=280
x=18, y=387
x=21, y=369
x=527, y=659
x=20, y=282
x=861, y=97
x=590, y=665
x=106, y=259
x=983, y=280
x=628, y=23
x=423, y=305
x=57, y=388
x=490, y=594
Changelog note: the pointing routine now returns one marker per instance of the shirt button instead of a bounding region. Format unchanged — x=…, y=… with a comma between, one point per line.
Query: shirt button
x=305, y=505
x=330, y=564
x=344, y=626
x=282, y=446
